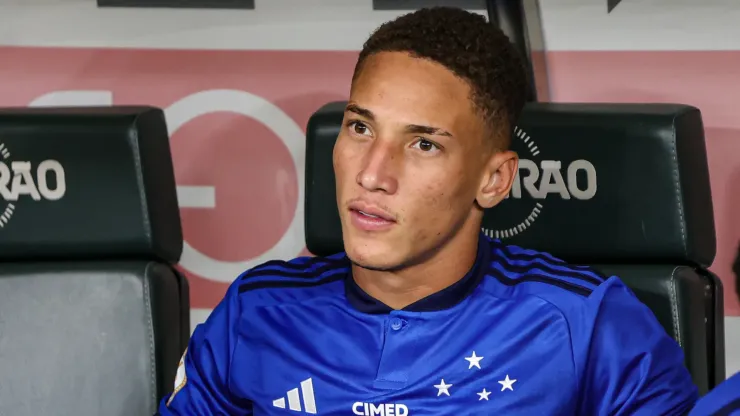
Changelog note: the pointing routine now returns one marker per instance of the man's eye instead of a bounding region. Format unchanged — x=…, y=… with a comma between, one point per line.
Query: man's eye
x=358, y=128
x=426, y=145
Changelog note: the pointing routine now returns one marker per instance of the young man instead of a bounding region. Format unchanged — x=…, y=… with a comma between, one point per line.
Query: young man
x=423, y=315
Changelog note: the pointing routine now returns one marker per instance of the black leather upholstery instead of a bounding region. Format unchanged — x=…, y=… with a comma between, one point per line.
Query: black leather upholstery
x=623, y=187
x=93, y=316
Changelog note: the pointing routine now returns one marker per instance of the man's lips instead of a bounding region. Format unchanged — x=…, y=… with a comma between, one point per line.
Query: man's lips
x=370, y=218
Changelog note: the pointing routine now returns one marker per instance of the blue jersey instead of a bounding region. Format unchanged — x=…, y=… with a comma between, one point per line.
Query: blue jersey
x=723, y=400
x=522, y=333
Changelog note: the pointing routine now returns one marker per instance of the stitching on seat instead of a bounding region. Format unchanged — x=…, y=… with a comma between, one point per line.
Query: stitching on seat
x=141, y=186
x=677, y=184
x=150, y=330
x=674, y=308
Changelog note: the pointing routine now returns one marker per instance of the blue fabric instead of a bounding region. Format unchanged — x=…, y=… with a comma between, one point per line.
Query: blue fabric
x=723, y=400
x=522, y=333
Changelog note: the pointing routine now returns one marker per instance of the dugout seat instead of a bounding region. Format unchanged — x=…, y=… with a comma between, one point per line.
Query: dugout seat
x=93, y=317
x=621, y=187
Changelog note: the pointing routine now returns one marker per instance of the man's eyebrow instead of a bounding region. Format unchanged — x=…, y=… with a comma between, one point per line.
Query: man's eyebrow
x=364, y=112
x=411, y=128
x=432, y=131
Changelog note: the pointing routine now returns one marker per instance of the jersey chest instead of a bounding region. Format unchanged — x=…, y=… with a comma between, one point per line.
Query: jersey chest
x=404, y=364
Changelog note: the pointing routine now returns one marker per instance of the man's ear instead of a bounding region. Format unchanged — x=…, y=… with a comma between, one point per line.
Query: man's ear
x=497, y=178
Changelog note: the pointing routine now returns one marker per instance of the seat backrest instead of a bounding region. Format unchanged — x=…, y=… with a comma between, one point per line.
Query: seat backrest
x=93, y=317
x=621, y=187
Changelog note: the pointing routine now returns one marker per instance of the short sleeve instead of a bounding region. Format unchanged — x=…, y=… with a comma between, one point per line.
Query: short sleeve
x=630, y=365
x=202, y=382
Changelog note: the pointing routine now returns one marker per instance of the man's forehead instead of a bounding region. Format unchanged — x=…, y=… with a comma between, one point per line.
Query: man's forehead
x=408, y=85
x=389, y=72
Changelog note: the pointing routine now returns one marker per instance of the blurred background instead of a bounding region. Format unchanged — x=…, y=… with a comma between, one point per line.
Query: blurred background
x=238, y=86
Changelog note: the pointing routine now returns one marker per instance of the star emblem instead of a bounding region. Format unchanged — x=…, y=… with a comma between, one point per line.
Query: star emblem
x=442, y=388
x=507, y=383
x=474, y=361
x=483, y=395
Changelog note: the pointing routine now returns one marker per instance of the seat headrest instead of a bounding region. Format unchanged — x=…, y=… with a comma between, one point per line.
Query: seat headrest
x=87, y=183
x=597, y=183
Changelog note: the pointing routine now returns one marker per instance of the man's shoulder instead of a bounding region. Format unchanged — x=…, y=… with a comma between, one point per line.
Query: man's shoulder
x=529, y=272
x=278, y=281
x=578, y=292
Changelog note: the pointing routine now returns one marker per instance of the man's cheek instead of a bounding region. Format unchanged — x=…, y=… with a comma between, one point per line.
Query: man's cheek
x=430, y=214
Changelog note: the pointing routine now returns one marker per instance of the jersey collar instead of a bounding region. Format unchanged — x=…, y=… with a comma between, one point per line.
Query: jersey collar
x=444, y=299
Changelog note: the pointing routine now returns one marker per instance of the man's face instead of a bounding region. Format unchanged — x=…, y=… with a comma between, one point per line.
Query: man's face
x=410, y=161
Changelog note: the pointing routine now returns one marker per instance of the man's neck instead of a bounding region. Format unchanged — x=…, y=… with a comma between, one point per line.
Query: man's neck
x=401, y=288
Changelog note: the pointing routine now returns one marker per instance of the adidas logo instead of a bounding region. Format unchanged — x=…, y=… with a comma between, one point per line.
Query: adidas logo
x=294, y=399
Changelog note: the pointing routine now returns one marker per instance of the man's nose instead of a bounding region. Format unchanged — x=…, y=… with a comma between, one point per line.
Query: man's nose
x=380, y=168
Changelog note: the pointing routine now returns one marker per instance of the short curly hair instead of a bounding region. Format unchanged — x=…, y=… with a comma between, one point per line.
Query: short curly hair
x=470, y=47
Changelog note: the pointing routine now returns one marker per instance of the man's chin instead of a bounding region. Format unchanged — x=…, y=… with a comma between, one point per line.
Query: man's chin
x=373, y=258
x=376, y=267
